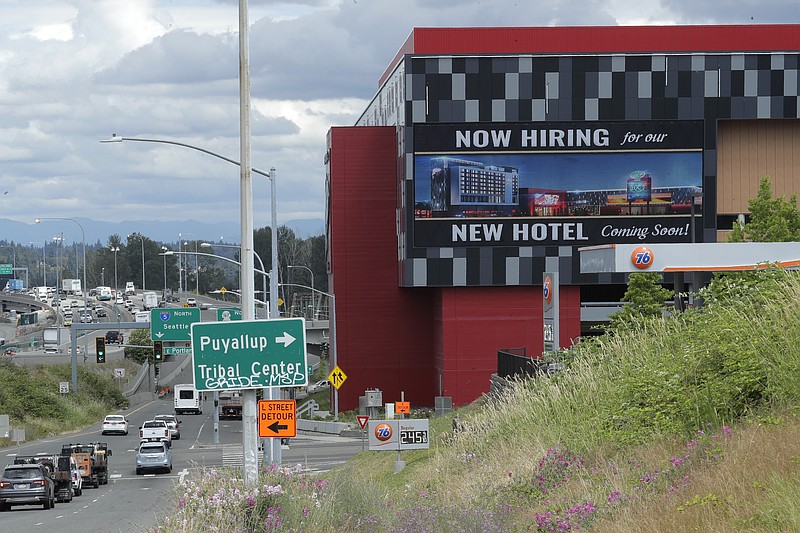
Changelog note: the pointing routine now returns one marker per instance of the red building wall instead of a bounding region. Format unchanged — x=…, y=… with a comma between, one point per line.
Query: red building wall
x=423, y=342
x=384, y=334
x=473, y=323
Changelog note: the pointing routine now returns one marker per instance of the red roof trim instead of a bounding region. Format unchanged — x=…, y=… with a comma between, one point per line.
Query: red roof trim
x=599, y=39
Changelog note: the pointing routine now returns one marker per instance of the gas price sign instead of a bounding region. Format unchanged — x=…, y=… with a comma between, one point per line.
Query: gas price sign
x=399, y=434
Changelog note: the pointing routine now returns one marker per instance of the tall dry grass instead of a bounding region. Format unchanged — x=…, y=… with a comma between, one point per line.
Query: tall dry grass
x=633, y=436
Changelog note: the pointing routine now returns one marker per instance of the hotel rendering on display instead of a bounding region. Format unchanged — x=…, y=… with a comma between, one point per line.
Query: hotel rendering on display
x=489, y=156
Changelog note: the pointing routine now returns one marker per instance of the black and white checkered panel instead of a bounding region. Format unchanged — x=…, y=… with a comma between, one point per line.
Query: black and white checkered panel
x=573, y=88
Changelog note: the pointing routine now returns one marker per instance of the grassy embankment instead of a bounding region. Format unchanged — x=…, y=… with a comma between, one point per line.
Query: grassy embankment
x=687, y=423
x=31, y=397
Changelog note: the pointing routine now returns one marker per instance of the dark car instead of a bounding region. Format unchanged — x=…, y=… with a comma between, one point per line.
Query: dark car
x=114, y=337
x=26, y=484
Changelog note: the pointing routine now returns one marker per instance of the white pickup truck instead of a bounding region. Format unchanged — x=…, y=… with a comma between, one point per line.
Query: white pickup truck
x=154, y=430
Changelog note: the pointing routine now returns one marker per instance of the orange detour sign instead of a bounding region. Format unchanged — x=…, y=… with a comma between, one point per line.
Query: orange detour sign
x=277, y=418
x=402, y=408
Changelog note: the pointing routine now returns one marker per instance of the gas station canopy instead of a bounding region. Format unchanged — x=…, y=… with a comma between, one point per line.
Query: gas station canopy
x=694, y=257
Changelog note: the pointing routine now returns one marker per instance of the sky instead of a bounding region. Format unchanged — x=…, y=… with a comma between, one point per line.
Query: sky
x=74, y=72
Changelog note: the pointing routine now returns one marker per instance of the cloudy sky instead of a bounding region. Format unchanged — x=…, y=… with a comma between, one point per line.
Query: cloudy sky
x=72, y=72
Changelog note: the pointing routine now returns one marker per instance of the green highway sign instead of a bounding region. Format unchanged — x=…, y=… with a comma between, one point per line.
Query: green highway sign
x=249, y=354
x=226, y=314
x=6, y=268
x=177, y=350
x=173, y=323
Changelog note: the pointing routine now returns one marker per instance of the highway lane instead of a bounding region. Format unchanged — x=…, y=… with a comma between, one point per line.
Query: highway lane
x=132, y=503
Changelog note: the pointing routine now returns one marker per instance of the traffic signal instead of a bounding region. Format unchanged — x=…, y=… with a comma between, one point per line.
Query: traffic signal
x=100, y=349
x=156, y=367
x=158, y=351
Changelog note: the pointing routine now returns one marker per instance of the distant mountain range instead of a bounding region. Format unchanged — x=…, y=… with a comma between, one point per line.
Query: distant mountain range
x=157, y=230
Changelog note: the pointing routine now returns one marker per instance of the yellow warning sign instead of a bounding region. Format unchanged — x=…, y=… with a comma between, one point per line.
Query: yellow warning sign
x=337, y=377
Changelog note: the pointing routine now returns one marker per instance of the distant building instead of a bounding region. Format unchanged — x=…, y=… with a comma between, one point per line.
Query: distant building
x=489, y=155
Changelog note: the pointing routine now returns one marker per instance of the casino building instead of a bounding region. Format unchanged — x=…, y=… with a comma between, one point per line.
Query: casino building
x=488, y=156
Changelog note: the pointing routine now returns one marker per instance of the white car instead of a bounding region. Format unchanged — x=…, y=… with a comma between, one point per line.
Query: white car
x=75, y=476
x=173, y=423
x=191, y=302
x=115, y=424
x=319, y=385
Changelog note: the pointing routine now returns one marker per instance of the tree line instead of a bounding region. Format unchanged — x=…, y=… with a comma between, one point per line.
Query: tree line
x=121, y=260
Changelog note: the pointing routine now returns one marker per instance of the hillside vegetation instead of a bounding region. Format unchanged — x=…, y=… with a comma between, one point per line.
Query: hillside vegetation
x=685, y=423
x=31, y=398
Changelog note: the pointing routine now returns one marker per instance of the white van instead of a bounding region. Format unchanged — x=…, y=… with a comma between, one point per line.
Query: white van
x=188, y=399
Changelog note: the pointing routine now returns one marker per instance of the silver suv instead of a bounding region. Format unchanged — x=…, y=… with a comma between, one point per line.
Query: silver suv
x=154, y=455
x=26, y=484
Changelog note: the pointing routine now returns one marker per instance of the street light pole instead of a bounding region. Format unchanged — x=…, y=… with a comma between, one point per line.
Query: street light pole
x=249, y=402
x=84, y=291
x=263, y=271
x=115, y=249
x=332, y=337
x=58, y=239
x=44, y=262
x=164, y=292
x=313, y=314
x=141, y=238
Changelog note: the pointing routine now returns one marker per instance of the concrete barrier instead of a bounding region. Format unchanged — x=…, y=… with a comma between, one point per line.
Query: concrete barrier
x=318, y=426
x=140, y=398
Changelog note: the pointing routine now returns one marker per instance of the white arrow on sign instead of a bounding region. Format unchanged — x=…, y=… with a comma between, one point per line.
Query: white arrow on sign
x=286, y=339
x=160, y=334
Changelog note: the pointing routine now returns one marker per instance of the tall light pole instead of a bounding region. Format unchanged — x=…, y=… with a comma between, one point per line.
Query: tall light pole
x=164, y=292
x=58, y=239
x=223, y=258
x=313, y=315
x=44, y=262
x=141, y=238
x=84, y=291
x=332, y=337
x=263, y=271
x=249, y=401
x=115, y=249
x=186, y=263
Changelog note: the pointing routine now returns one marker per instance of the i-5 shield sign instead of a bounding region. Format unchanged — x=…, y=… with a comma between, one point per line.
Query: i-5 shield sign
x=249, y=354
x=172, y=323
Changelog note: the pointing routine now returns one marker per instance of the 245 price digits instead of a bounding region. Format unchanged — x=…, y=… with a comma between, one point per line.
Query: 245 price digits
x=414, y=437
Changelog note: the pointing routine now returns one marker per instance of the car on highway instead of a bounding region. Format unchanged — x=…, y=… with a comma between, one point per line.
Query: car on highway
x=114, y=337
x=205, y=305
x=319, y=385
x=115, y=424
x=26, y=484
x=67, y=321
x=153, y=455
x=173, y=424
x=75, y=476
x=100, y=311
x=10, y=352
x=191, y=302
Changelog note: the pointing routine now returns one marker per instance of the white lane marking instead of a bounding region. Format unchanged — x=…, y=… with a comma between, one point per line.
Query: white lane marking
x=11, y=455
x=182, y=474
x=115, y=476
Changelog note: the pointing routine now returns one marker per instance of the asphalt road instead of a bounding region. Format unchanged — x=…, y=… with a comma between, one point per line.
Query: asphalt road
x=132, y=503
